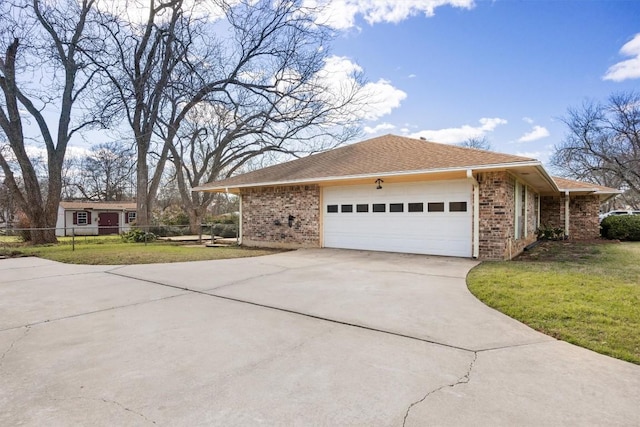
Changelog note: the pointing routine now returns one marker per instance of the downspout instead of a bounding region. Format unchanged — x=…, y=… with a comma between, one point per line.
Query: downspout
x=538, y=216
x=566, y=213
x=239, y=239
x=476, y=214
x=526, y=211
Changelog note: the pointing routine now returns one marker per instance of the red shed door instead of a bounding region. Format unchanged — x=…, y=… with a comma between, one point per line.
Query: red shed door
x=108, y=222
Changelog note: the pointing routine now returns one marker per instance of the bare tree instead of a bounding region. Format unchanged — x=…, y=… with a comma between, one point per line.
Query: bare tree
x=603, y=144
x=105, y=173
x=258, y=63
x=478, y=142
x=8, y=208
x=40, y=41
x=136, y=60
x=272, y=97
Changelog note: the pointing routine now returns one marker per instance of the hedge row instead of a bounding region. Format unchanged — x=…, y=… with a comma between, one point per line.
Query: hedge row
x=621, y=227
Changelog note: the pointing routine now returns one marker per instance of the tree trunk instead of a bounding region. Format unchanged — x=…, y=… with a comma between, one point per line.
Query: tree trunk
x=42, y=224
x=143, y=208
x=195, y=220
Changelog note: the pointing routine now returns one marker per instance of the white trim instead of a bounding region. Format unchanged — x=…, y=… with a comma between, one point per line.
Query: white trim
x=589, y=190
x=239, y=219
x=518, y=190
x=538, y=212
x=566, y=213
x=476, y=214
x=526, y=211
x=86, y=217
x=380, y=174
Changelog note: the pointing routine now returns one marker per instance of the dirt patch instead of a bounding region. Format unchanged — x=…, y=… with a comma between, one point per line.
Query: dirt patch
x=565, y=250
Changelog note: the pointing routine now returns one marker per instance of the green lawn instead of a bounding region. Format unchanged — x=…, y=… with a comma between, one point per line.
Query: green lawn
x=585, y=294
x=111, y=250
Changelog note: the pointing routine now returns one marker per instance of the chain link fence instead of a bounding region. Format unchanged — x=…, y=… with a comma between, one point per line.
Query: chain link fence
x=79, y=235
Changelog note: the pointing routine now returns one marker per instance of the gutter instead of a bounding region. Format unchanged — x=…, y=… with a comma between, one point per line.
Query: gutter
x=226, y=186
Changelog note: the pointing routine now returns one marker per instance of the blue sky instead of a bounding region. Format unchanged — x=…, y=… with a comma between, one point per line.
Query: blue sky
x=448, y=70
x=504, y=69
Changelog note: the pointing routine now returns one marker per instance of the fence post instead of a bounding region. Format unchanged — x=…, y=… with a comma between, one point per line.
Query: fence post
x=200, y=234
x=73, y=239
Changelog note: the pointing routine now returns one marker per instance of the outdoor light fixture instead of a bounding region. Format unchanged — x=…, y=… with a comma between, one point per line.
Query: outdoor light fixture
x=379, y=182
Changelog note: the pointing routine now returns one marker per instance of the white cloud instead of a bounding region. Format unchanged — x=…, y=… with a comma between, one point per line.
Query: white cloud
x=374, y=99
x=77, y=152
x=528, y=120
x=542, y=156
x=538, y=132
x=411, y=76
x=378, y=128
x=462, y=133
x=630, y=68
x=341, y=14
x=381, y=98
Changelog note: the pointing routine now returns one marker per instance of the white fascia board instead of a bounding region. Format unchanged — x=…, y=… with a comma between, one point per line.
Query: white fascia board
x=589, y=190
x=375, y=175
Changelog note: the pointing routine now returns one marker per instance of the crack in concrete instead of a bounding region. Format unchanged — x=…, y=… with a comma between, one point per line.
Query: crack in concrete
x=299, y=313
x=416, y=273
x=54, y=276
x=102, y=399
x=13, y=343
x=462, y=380
x=542, y=340
x=282, y=270
x=71, y=316
x=124, y=407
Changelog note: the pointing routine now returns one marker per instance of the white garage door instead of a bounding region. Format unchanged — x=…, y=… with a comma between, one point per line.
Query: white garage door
x=423, y=218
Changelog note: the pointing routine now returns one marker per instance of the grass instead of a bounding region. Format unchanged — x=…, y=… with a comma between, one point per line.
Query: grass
x=111, y=250
x=585, y=294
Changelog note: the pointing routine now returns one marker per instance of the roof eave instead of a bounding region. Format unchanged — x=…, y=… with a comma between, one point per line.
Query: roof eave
x=236, y=187
x=603, y=195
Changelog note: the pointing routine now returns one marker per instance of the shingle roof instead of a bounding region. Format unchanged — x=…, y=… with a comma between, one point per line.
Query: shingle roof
x=572, y=185
x=381, y=155
x=118, y=206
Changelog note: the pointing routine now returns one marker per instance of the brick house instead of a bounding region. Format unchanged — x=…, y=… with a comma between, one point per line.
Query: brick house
x=399, y=194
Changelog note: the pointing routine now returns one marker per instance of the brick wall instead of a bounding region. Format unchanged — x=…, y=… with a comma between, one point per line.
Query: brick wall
x=584, y=222
x=583, y=215
x=265, y=213
x=552, y=211
x=497, y=216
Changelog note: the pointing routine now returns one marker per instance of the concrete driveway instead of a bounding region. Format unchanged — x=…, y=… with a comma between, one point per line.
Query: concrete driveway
x=305, y=338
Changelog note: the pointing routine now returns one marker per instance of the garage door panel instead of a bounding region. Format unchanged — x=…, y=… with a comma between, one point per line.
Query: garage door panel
x=438, y=233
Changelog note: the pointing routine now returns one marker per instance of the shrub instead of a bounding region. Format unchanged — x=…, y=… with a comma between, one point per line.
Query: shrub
x=221, y=219
x=173, y=215
x=137, y=235
x=224, y=230
x=621, y=227
x=168, y=230
x=547, y=232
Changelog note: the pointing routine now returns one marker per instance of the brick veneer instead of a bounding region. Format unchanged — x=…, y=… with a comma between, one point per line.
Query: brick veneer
x=497, y=216
x=264, y=208
x=265, y=213
x=583, y=215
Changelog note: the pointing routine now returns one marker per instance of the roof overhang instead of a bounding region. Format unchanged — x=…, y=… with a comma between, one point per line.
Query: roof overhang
x=603, y=195
x=531, y=172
